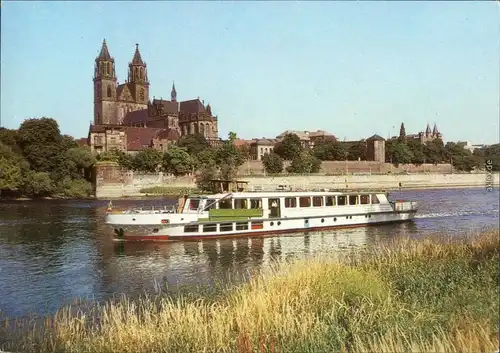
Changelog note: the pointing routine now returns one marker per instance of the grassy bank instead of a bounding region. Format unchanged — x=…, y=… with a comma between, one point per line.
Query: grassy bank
x=420, y=296
x=167, y=190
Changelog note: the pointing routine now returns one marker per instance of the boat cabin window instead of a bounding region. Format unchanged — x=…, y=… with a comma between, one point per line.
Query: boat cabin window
x=317, y=201
x=290, y=202
x=365, y=199
x=226, y=204
x=342, y=200
x=353, y=199
x=190, y=228
x=241, y=225
x=210, y=204
x=255, y=203
x=193, y=204
x=305, y=201
x=240, y=204
x=329, y=200
x=375, y=199
x=226, y=227
x=209, y=228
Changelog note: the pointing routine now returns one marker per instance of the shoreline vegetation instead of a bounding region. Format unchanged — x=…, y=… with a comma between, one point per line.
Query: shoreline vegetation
x=419, y=295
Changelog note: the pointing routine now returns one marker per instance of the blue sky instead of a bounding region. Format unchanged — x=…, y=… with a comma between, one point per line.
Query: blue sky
x=351, y=68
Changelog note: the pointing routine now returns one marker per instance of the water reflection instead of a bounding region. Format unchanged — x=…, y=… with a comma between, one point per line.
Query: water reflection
x=52, y=252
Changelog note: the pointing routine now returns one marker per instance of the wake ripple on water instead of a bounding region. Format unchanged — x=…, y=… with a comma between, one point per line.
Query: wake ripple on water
x=455, y=214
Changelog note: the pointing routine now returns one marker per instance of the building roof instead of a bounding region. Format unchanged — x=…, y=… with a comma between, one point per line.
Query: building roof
x=192, y=106
x=165, y=107
x=136, y=117
x=265, y=142
x=82, y=141
x=241, y=142
x=376, y=137
x=141, y=137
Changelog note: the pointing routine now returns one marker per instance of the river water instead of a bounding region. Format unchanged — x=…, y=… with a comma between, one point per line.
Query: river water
x=54, y=251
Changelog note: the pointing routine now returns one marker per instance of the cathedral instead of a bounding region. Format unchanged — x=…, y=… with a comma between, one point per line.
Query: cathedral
x=126, y=118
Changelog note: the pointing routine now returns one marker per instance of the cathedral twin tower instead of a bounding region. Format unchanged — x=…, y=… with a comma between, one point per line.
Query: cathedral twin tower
x=113, y=101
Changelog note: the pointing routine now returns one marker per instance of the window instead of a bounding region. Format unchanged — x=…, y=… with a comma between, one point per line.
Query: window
x=210, y=204
x=365, y=199
x=305, y=201
x=342, y=200
x=240, y=204
x=255, y=203
x=226, y=227
x=209, y=228
x=109, y=91
x=290, y=202
x=226, y=204
x=353, y=199
x=330, y=200
x=241, y=225
x=317, y=201
x=375, y=199
x=191, y=229
x=193, y=204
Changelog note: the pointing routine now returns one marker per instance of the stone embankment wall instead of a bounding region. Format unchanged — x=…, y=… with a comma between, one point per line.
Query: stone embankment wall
x=113, y=183
x=343, y=167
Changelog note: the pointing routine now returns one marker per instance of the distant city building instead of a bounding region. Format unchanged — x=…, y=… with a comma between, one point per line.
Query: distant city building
x=128, y=104
x=469, y=146
x=307, y=138
x=260, y=147
x=423, y=136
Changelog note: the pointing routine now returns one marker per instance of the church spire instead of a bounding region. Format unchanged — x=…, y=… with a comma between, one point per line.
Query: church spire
x=428, y=130
x=137, y=69
x=104, y=64
x=173, y=93
x=104, y=54
x=435, y=130
x=137, y=59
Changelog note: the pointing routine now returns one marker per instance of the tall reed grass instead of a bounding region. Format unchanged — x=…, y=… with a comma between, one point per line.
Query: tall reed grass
x=413, y=296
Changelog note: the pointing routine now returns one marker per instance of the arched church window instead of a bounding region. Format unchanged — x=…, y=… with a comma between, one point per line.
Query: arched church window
x=142, y=94
x=109, y=91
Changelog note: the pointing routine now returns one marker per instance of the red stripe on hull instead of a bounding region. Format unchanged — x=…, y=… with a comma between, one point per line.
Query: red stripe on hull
x=266, y=233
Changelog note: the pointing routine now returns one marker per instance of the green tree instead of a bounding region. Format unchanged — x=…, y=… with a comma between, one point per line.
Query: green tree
x=328, y=150
x=273, y=163
x=147, y=160
x=10, y=175
x=489, y=155
x=194, y=144
x=10, y=138
x=289, y=147
x=205, y=157
x=177, y=161
x=402, y=133
x=357, y=151
x=228, y=158
x=417, y=149
x=304, y=163
x=398, y=152
x=37, y=184
x=206, y=173
x=434, y=151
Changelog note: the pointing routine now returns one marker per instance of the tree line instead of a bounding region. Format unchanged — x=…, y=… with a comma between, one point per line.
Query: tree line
x=37, y=161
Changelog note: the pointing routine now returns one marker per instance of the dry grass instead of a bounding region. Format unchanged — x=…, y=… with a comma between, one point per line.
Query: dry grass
x=412, y=296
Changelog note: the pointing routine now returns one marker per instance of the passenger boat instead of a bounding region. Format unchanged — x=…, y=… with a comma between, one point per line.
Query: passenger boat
x=236, y=212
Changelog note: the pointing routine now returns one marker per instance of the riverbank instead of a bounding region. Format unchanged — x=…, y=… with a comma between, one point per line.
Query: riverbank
x=135, y=184
x=418, y=295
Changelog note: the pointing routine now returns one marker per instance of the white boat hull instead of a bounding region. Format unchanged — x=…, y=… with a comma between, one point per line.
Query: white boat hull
x=173, y=232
